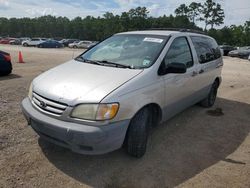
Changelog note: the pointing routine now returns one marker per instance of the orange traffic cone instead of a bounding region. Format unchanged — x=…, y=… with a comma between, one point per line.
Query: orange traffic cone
x=20, y=57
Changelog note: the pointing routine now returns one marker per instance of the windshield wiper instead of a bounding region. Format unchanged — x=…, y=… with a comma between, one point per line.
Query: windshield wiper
x=80, y=58
x=103, y=63
x=116, y=64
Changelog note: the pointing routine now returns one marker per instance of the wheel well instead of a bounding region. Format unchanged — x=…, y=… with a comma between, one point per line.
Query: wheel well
x=218, y=80
x=156, y=117
x=156, y=112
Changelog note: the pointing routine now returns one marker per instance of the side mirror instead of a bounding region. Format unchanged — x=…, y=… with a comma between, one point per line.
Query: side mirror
x=176, y=68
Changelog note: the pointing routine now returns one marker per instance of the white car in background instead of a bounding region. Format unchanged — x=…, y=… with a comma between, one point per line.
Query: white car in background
x=82, y=44
x=33, y=42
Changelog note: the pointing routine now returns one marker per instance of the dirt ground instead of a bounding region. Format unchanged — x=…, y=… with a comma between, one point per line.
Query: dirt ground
x=194, y=149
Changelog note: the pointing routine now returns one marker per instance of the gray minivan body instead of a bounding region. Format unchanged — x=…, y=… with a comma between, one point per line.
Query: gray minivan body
x=55, y=94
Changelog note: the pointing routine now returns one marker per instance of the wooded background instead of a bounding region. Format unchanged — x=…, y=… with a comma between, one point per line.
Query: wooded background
x=211, y=14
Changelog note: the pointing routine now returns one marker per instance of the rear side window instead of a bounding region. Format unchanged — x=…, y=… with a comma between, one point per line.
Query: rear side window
x=207, y=49
x=179, y=52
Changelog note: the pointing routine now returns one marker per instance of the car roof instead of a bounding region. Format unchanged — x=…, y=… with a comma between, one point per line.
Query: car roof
x=164, y=33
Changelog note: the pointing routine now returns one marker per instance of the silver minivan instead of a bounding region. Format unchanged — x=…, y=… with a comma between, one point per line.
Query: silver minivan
x=112, y=94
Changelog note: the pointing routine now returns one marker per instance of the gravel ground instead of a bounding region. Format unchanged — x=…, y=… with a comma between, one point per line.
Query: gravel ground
x=197, y=148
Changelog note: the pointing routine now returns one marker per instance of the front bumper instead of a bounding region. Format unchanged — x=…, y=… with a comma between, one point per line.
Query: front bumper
x=79, y=138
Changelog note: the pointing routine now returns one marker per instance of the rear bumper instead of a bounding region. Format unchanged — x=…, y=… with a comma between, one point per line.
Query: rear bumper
x=79, y=138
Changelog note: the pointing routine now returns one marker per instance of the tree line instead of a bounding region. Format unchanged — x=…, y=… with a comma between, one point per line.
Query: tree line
x=98, y=28
x=91, y=28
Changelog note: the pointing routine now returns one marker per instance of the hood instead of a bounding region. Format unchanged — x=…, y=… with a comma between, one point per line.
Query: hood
x=234, y=52
x=77, y=82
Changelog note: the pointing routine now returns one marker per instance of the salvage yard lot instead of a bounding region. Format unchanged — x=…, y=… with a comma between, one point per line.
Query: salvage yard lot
x=194, y=149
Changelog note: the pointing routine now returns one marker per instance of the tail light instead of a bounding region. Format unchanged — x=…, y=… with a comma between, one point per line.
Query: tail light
x=7, y=57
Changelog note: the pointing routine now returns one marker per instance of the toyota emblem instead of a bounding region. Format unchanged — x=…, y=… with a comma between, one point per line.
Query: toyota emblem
x=43, y=104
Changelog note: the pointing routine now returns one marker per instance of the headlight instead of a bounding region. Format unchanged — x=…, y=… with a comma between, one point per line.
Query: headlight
x=95, y=111
x=30, y=91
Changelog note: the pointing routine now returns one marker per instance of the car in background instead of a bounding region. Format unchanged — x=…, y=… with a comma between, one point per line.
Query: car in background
x=50, y=44
x=66, y=42
x=226, y=49
x=242, y=52
x=33, y=42
x=249, y=57
x=16, y=42
x=82, y=44
x=5, y=40
x=74, y=44
x=62, y=40
x=5, y=63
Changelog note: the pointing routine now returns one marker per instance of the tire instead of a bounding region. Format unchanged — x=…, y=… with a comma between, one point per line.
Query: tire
x=74, y=46
x=210, y=99
x=137, y=135
x=5, y=73
x=25, y=44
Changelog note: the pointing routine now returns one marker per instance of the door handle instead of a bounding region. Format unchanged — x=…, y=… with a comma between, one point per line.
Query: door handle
x=201, y=71
x=194, y=73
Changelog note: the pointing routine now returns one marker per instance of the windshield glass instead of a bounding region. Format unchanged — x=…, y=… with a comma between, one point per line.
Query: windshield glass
x=136, y=51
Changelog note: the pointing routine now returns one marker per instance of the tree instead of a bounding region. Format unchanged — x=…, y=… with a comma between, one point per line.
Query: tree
x=213, y=14
x=194, y=10
x=138, y=17
x=182, y=10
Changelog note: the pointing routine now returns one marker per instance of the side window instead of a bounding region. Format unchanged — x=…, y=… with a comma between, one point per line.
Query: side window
x=179, y=52
x=207, y=49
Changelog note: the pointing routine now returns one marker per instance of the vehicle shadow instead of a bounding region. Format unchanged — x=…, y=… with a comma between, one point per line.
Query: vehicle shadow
x=178, y=150
x=9, y=77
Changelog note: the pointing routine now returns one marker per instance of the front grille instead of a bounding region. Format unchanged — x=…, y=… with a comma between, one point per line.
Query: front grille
x=47, y=105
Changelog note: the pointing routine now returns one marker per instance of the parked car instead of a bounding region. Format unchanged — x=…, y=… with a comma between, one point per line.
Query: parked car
x=249, y=57
x=16, y=42
x=66, y=42
x=61, y=41
x=82, y=44
x=5, y=40
x=74, y=44
x=50, y=44
x=5, y=63
x=112, y=94
x=226, y=49
x=242, y=52
x=33, y=42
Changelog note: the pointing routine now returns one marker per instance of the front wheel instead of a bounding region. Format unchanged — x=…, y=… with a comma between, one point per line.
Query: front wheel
x=210, y=99
x=137, y=134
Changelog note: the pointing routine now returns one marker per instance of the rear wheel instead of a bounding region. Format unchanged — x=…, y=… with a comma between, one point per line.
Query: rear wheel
x=25, y=44
x=5, y=73
x=137, y=134
x=210, y=99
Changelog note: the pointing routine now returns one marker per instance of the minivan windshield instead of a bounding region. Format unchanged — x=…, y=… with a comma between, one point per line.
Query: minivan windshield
x=126, y=51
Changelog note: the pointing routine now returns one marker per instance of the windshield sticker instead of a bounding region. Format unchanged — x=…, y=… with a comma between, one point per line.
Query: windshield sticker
x=146, y=62
x=147, y=39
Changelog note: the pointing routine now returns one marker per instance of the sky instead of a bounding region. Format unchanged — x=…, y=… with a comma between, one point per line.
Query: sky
x=236, y=11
